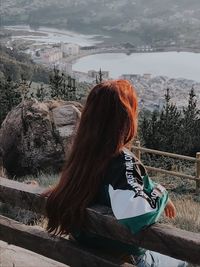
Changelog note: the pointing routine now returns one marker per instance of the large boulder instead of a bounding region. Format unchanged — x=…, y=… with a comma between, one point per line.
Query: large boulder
x=36, y=136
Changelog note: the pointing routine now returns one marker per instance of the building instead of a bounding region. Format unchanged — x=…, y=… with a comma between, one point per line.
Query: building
x=147, y=76
x=94, y=74
x=49, y=56
x=130, y=76
x=70, y=49
x=145, y=48
x=65, y=67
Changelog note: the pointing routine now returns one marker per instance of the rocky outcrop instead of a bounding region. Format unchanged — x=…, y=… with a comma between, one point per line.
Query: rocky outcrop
x=37, y=136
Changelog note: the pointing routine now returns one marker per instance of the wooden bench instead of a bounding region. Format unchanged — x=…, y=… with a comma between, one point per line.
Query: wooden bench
x=162, y=238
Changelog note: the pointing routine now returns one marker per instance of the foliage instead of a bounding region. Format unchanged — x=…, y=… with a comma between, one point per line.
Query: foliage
x=23, y=88
x=40, y=94
x=173, y=130
x=14, y=64
x=99, y=77
x=190, y=133
x=9, y=96
x=62, y=86
x=139, y=21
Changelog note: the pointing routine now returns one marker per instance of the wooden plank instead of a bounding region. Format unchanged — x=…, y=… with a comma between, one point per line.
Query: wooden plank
x=167, y=240
x=22, y=195
x=178, y=174
x=162, y=153
x=198, y=173
x=13, y=256
x=59, y=249
x=162, y=238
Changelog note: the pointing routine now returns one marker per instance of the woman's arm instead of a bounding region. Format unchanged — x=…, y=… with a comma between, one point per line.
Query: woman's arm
x=170, y=210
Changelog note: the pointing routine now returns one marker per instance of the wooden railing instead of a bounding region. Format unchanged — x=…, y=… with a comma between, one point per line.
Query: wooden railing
x=162, y=238
x=138, y=150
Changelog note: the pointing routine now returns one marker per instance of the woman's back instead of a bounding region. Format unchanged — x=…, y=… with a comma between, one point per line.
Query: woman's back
x=100, y=170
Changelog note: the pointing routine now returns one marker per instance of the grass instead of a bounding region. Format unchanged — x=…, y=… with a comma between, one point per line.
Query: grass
x=181, y=191
x=187, y=202
x=25, y=216
x=188, y=214
x=42, y=179
x=183, y=194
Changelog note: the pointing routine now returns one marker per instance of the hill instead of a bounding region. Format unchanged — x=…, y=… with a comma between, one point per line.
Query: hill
x=16, y=64
x=139, y=21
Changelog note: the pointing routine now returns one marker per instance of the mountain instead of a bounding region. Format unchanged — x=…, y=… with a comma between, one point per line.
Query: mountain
x=144, y=21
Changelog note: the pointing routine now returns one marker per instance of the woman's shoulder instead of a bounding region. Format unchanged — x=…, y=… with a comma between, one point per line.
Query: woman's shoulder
x=122, y=156
x=123, y=164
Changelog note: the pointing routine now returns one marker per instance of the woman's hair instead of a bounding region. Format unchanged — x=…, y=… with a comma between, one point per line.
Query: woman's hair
x=108, y=122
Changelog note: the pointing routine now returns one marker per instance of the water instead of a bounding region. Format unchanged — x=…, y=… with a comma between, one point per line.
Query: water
x=172, y=64
x=51, y=35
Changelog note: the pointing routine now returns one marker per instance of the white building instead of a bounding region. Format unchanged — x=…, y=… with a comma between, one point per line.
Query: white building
x=51, y=55
x=65, y=67
x=130, y=76
x=147, y=76
x=70, y=49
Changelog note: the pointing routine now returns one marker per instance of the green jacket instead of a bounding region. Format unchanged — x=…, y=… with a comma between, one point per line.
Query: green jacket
x=136, y=201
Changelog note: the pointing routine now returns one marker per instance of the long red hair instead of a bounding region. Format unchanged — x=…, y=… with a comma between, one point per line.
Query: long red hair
x=108, y=122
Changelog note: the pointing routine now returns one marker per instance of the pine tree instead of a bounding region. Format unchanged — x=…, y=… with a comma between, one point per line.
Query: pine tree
x=144, y=131
x=190, y=126
x=57, y=82
x=40, y=94
x=9, y=97
x=148, y=130
x=62, y=87
x=71, y=89
x=191, y=112
x=23, y=88
x=162, y=130
x=99, y=77
x=169, y=126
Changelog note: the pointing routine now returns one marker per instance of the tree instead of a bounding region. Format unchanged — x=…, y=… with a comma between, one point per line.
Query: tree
x=9, y=97
x=190, y=131
x=169, y=126
x=99, y=77
x=162, y=130
x=148, y=130
x=40, y=94
x=62, y=86
x=71, y=90
x=56, y=81
x=23, y=88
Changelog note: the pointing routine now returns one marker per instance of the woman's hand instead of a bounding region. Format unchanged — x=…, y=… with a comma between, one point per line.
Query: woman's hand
x=170, y=210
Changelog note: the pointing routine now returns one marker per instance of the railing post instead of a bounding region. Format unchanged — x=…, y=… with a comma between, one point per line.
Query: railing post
x=137, y=150
x=198, y=172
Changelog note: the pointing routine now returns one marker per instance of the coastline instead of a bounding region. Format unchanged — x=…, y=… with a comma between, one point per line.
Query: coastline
x=102, y=39
x=103, y=50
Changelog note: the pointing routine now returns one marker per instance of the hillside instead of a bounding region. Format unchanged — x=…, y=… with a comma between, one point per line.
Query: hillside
x=16, y=64
x=140, y=21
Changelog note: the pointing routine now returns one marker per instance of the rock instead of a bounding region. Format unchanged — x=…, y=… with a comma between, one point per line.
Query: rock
x=37, y=136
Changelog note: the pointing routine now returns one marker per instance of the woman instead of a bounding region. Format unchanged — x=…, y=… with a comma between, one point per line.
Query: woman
x=101, y=170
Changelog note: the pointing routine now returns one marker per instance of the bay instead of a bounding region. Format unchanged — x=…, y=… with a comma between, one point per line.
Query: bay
x=172, y=64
